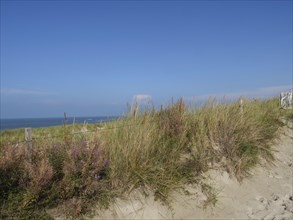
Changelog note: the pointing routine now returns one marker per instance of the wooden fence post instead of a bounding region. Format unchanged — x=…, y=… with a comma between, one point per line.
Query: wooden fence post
x=241, y=105
x=28, y=144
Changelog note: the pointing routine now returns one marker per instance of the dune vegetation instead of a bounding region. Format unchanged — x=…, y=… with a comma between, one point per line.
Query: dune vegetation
x=156, y=151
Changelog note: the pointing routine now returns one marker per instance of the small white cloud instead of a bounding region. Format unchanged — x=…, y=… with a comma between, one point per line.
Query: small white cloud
x=139, y=100
x=142, y=98
x=12, y=91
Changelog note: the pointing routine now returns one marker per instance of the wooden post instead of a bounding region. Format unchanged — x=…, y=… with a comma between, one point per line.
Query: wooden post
x=241, y=105
x=28, y=144
x=65, y=119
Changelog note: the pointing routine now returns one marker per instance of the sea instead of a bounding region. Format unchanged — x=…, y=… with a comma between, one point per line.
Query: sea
x=6, y=124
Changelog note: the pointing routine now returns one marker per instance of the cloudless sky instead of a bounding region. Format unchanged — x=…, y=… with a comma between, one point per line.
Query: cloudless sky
x=89, y=58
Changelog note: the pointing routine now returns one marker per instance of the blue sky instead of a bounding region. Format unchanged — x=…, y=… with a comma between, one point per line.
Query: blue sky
x=89, y=58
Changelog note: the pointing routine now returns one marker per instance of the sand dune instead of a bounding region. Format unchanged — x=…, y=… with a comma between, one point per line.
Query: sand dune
x=267, y=194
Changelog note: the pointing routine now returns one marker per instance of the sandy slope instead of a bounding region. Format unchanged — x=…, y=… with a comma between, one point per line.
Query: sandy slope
x=265, y=195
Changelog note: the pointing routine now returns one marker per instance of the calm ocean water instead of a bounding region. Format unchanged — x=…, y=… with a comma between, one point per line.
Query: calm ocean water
x=47, y=122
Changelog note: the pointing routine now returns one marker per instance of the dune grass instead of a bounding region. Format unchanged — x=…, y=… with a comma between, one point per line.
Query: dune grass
x=154, y=151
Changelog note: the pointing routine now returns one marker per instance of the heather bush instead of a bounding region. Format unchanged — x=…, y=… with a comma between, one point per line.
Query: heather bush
x=56, y=153
x=12, y=168
x=84, y=166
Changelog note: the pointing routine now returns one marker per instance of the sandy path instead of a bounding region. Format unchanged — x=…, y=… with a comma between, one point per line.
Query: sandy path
x=267, y=194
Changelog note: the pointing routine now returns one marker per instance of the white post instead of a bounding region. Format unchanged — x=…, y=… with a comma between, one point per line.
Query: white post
x=286, y=100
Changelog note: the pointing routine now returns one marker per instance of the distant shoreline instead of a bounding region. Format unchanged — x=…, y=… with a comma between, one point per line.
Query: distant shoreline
x=7, y=124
